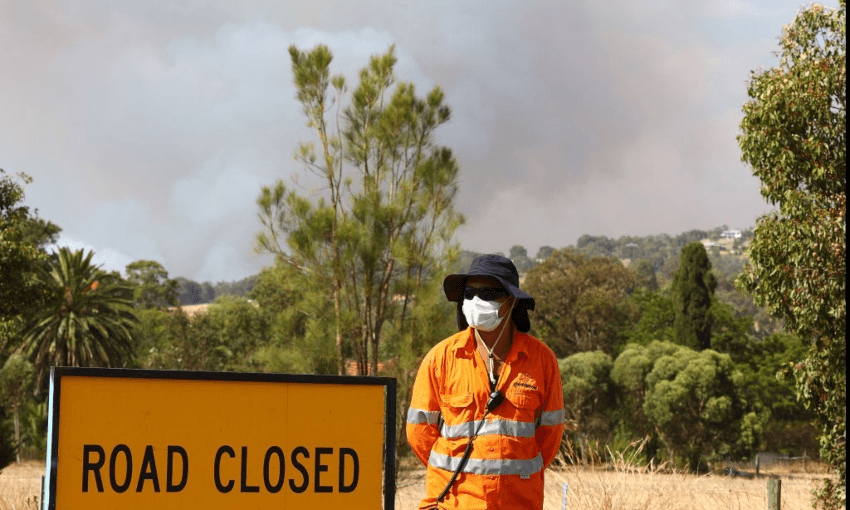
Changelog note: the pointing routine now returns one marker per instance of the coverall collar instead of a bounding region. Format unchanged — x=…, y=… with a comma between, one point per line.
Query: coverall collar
x=465, y=343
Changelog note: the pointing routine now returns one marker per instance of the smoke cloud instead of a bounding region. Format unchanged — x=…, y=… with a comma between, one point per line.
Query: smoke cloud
x=149, y=127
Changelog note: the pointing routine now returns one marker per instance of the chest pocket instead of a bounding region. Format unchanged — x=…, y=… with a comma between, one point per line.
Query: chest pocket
x=525, y=392
x=456, y=409
x=457, y=398
x=456, y=391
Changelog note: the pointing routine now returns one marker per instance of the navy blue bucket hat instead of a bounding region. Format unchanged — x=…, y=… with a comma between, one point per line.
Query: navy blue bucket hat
x=503, y=270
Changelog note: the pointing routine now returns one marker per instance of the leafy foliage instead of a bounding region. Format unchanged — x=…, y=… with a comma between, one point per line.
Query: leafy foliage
x=238, y=288
x=655, y=310
x=433, y=319
x=226, y=337
x=582, y=302
x=15, y=386
x=588, y=396
x=789, y=427
x=240, y=329
x=22, y=237
x=793, y=135
x=694, y=401
x=190, y=292
x=152, y=287
x=646, y=278
x=34, y=429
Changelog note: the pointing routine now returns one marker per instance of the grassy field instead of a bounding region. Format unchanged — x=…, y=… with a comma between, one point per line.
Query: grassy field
x=614, y=487
x=623, y=487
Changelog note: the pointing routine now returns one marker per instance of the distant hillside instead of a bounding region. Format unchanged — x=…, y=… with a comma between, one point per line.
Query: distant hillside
x=193, y=293
x=661, y=250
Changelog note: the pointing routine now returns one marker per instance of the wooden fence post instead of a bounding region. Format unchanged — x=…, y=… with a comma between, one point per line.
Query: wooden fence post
x=774, y=494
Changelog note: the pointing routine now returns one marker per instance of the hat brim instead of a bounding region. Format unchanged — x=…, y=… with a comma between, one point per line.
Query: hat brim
x=454, y=284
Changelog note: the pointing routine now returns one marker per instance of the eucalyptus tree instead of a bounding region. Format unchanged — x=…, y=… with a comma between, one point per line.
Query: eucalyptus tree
x=794, y=136
x=86, y=319
x=694, y=402
x=382, y=225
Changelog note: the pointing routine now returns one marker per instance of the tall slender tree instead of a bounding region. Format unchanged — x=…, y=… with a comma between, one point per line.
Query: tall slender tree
x=693, y=288
x=385, y=221
x=87, y=316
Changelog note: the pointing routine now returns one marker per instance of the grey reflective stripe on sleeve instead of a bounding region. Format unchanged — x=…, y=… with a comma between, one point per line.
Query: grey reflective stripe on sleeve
x=552, y=417
x=417, y=416
x=495, y=427
x=524, y=468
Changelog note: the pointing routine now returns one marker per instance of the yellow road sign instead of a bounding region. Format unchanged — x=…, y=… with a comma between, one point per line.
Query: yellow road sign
x=134, y=439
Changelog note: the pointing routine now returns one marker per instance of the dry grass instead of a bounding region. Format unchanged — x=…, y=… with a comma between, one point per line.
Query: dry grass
x=20, y=485
x=593, y=489
x=619, y=490
x=621, y=484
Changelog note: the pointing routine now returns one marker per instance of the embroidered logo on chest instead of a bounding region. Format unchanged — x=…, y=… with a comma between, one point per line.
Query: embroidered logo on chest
x=526, y=382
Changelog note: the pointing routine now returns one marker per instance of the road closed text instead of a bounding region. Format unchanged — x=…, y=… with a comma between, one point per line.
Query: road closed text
x=234, y=469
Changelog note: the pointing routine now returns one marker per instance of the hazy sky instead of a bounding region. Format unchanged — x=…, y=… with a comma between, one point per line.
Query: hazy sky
x=150, y=126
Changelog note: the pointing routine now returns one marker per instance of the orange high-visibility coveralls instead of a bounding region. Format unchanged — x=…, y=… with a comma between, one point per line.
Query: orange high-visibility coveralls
x=519, y=439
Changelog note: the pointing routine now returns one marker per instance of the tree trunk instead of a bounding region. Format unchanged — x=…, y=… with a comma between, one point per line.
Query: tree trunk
x=17, y=413
x=337, y=315
x=582, y=445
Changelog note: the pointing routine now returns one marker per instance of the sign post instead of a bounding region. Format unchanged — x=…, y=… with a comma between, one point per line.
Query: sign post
x=141, y=439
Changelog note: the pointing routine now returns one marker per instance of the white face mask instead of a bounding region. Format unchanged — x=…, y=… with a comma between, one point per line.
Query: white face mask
x=482, y=315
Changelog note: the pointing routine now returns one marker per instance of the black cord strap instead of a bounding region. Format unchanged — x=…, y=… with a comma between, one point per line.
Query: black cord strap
x=463, y=460
x=496, y=398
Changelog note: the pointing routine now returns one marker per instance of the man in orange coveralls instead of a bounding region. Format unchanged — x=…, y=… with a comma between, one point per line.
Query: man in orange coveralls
x=490, y=394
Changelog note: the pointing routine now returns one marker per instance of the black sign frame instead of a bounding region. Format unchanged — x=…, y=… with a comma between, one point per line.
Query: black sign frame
x=55, y=393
